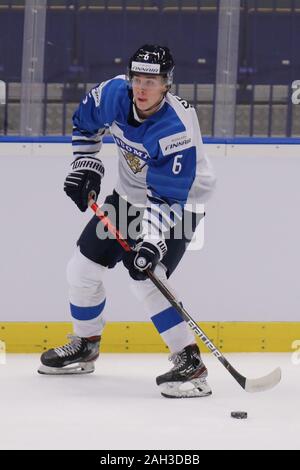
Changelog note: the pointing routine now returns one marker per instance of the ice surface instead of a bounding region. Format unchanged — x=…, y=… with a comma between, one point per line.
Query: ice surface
x=119, y=406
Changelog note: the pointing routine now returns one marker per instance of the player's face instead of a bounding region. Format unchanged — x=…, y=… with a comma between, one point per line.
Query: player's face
x=148, y=91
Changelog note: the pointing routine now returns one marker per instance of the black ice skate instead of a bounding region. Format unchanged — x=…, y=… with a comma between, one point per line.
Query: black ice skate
x=187, y=378
x=76, y=357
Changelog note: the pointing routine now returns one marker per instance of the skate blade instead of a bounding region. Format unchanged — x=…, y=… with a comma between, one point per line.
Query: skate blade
x=79, y=368
x=191, y=389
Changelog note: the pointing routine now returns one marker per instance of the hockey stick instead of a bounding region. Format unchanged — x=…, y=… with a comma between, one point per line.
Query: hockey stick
x=250, y=385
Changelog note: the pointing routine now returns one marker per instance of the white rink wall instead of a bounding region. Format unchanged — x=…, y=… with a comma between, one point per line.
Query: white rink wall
x=248, y=269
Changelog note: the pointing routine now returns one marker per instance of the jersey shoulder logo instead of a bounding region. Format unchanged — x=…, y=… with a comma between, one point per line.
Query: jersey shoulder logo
x=174, y=143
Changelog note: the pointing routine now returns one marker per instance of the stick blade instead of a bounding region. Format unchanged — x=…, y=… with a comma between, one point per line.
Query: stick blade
x=263, y=383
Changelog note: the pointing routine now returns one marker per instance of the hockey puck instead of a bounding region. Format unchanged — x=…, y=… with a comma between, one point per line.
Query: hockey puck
x=239, y=414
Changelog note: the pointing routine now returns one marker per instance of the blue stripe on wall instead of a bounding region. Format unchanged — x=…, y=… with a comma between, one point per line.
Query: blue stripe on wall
x=207, y=140
x=86, y=313
x=166, y=319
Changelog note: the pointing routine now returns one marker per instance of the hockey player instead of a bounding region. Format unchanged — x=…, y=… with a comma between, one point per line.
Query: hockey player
x=163, y=168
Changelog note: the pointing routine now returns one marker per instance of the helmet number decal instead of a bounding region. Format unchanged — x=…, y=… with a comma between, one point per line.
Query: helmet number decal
x=177, y=165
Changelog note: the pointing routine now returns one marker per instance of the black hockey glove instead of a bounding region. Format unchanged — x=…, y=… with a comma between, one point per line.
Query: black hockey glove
x=145, y=255
x=85, y=177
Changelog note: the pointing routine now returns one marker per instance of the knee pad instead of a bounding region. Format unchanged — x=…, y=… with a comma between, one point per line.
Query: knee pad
x=85, y=279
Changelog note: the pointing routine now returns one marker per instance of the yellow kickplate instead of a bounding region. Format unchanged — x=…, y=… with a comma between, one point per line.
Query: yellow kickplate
x=28, y=337
x=258, y=336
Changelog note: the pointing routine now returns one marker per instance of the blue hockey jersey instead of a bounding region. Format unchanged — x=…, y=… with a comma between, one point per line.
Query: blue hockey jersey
x=162, y=160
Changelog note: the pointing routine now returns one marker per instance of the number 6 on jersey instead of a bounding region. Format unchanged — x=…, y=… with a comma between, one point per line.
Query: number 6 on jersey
x=177, y=166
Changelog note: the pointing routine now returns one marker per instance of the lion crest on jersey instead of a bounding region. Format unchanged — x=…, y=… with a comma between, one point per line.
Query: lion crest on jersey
x=135, y=163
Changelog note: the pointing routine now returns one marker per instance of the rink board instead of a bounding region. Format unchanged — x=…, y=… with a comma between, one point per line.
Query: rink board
x=132, y=337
